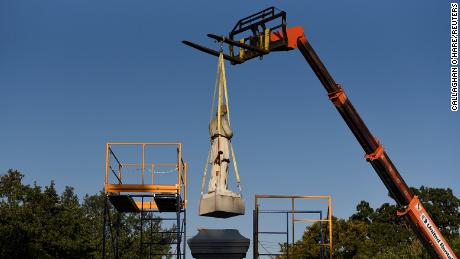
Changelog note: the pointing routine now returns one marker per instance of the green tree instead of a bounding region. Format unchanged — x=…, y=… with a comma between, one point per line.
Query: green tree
x=38, y=222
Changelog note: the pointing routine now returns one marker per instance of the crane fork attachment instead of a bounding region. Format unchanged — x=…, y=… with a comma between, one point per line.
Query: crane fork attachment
x=253, y=37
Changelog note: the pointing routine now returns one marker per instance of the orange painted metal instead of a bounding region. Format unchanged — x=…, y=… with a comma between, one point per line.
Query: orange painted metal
x=293, y=34
x=107, y=148
x=148, y=205
x=185, y=184
x=375, y=153
x=418, y=214
x=142, y=188
x=378, y=153
x=179, y=187
x=338, y=97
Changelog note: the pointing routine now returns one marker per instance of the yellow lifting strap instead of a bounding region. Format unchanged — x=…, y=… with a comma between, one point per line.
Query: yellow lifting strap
x=224, y=86
x=267, y=39
x=241, y=51
x=205, y=172
x=264, y=40
x=220, y=88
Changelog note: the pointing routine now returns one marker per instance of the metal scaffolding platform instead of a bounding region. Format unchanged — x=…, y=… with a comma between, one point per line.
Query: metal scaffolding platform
x=123, y=203
x=151, y=201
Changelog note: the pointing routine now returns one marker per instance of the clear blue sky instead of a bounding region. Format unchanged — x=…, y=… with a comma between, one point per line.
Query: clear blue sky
x=76, y=74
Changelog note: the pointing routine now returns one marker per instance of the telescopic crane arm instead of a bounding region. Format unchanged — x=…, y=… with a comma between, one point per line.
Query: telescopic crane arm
x=261, y=41
x=419, y=219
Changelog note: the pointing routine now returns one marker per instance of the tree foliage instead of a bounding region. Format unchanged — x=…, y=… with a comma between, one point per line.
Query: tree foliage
x=380, y=233
x=38, y=222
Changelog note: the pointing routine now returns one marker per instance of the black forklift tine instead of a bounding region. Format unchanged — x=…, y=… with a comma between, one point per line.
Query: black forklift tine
x=211, y=51
x=236, y=43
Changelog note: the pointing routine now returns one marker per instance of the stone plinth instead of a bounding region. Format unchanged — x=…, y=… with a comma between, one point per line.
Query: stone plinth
x=218, y=243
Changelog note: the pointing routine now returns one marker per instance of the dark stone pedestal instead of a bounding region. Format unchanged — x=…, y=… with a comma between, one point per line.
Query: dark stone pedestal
x=218, y=243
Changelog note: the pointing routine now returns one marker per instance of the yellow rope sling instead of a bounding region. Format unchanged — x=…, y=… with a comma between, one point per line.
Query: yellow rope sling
x=221, y=82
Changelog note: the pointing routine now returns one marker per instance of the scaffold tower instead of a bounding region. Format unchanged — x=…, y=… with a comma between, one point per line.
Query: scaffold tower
x=147, y=179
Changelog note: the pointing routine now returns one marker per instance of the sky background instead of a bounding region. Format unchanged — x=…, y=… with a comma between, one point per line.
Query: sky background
x=76, y=74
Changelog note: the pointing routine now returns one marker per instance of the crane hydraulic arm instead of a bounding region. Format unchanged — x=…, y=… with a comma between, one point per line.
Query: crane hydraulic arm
x=378, y=158
x=261, y=41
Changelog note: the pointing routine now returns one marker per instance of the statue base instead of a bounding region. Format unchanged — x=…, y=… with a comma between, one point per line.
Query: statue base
x=218, y=243
x=219, y=205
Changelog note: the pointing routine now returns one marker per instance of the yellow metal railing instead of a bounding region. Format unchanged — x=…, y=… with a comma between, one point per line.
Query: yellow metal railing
x=144, y=186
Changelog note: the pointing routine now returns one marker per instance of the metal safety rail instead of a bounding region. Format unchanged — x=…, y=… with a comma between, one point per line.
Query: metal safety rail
x=154, y=201
x=118, y=166
x=292, y=213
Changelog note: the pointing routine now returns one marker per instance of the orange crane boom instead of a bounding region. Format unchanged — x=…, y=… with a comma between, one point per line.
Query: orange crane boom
x=261, y=41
